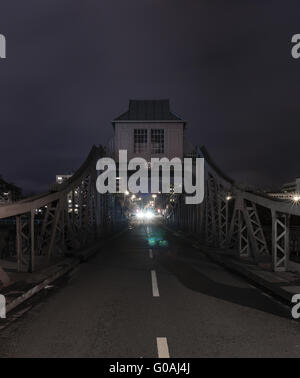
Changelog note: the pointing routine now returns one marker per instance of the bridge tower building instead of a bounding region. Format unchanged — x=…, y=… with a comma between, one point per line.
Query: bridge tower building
x=149, y=129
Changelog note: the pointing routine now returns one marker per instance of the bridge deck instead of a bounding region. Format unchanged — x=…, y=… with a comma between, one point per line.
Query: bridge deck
x=107, y=307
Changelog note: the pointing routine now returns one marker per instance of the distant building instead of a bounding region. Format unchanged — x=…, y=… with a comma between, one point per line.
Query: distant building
x=289, y=191
x=149, y=129
x=72, y=204
x=292, y=187
x=8, y=192
x=62, y=178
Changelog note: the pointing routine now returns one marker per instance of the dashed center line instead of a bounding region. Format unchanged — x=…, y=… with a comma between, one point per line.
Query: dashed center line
x=162, y=343
x=154, y=284
x=162, y=347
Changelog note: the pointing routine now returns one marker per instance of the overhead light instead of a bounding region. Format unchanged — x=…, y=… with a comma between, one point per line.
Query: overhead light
x=296, y=198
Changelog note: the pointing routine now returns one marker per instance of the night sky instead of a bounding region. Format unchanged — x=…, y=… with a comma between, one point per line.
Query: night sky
x=226, y=67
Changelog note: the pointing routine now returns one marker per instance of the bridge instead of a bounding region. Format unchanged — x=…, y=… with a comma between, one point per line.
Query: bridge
x=164, y=287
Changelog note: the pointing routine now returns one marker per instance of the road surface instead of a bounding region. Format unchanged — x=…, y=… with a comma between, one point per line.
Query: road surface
x=148, y=294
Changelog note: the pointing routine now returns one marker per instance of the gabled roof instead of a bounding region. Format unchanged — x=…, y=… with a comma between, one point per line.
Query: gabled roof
x=148, y=110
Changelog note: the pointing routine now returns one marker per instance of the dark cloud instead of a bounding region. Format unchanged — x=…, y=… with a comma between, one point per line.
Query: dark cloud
x=225, y=65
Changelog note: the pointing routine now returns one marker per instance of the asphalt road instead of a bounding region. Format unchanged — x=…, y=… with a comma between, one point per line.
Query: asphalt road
x=147, y=294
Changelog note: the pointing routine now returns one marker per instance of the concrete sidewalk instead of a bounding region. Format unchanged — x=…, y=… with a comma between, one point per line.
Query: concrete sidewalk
x=24, y=285
x=282, y=285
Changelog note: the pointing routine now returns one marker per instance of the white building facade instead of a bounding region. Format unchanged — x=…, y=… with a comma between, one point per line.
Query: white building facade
x=149, y=129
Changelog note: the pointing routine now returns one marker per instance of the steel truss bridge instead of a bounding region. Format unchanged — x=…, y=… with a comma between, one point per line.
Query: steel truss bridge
x=70, y=217
x=73, y=216
x=250, y=224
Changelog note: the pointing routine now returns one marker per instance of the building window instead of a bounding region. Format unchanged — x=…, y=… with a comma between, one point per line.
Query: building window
x=157, y=141
x=140, y=140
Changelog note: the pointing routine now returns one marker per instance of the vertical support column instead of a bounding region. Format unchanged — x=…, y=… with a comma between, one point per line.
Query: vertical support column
x=211, y=216
x=179, y=213
x=196, y=218
x=80, y=202
x=101, y=216
x=32, y=243
x=255, y=231
x=58, y=209
x=200, y=209
x=96, y=203
x=207, y=220
x=88, y=203
x=280, y=241
x=243, y=247
x=238, y=233
x=222, y=218
x=193, y=217
x=19, y=242
x=73, y=206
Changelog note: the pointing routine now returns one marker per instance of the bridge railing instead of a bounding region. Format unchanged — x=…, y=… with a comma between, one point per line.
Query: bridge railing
x=250, y=224
x=69, y=217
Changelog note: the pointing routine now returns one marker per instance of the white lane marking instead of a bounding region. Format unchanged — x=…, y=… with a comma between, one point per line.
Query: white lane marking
x=154, y=284
x=150, y=254
x=162, y=347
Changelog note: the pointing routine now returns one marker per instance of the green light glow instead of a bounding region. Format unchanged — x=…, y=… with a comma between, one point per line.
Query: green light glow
x=156, y=240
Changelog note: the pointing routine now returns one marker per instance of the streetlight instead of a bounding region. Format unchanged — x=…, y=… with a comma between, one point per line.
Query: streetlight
x=154, y=196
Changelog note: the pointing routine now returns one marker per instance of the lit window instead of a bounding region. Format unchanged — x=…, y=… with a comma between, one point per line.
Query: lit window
x=157, y=141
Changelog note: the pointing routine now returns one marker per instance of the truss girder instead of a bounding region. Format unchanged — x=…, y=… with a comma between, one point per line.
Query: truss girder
x=68, y=218
x=229, y=218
